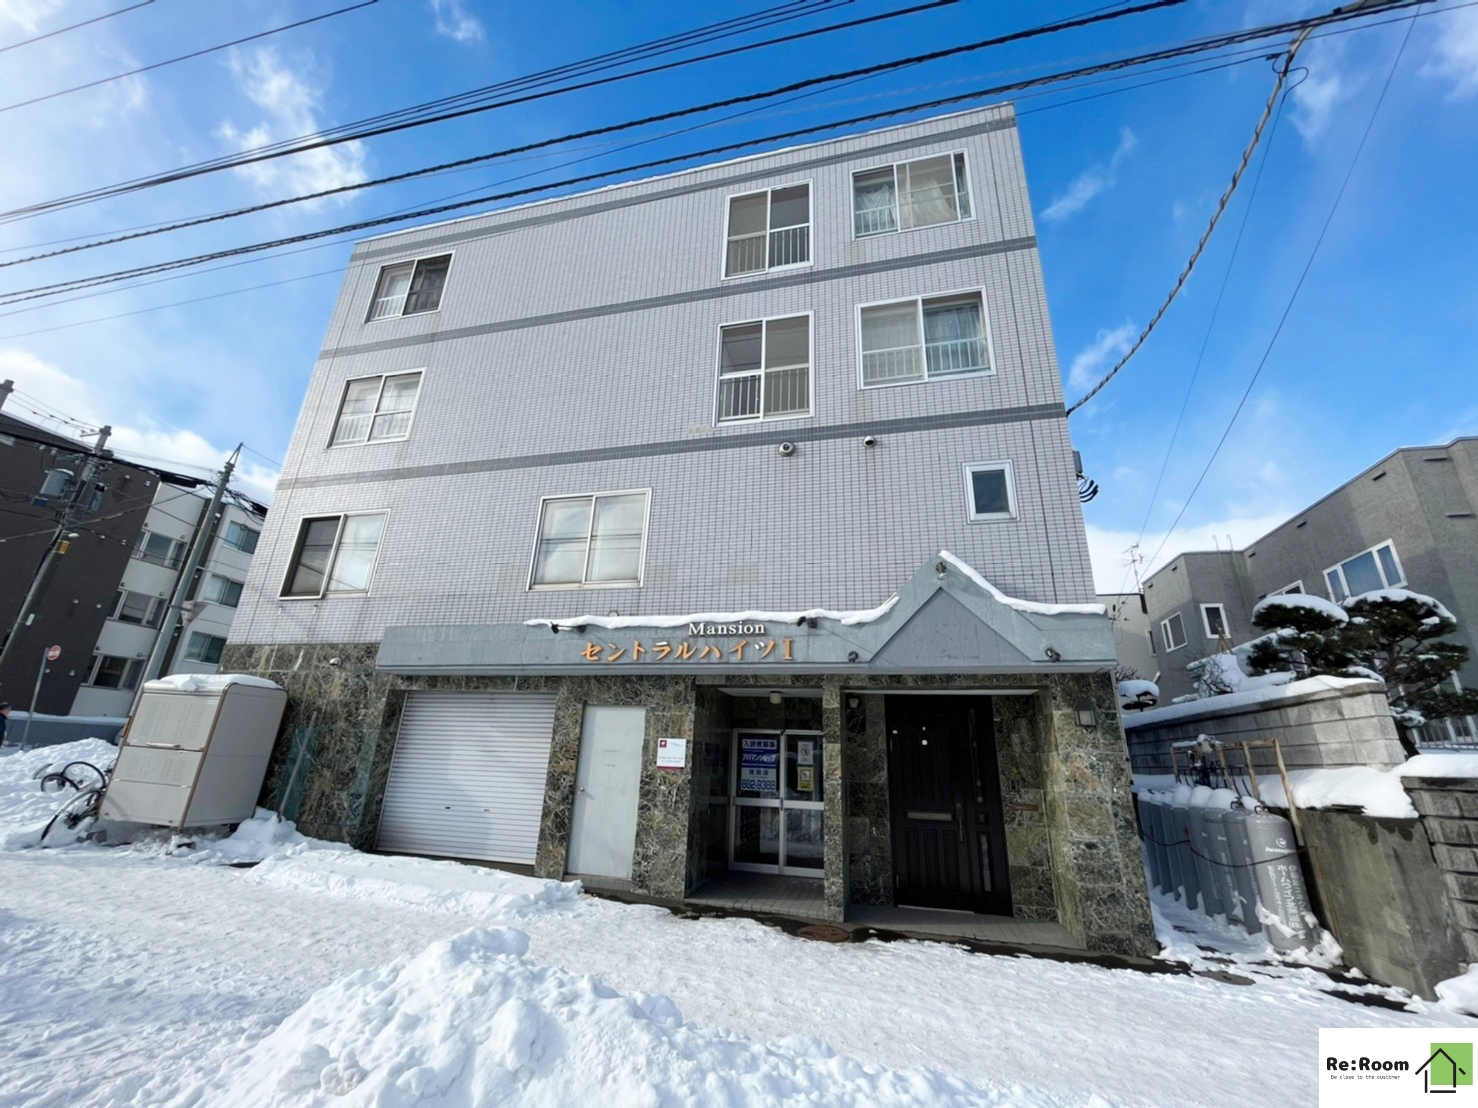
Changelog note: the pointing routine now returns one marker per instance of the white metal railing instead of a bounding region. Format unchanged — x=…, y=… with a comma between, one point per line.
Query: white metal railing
x=739, y=397
x=746, y=254
x=873, y=221
x=787, y=390
x=352, y=428
x=388, y=306
x=955, y=356
x=390, y=425
x=881, y=367
x=790, y=245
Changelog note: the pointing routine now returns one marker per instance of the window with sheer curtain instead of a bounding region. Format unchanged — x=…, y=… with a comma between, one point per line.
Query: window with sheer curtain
x=920, y=193
x=592, y=541
x=923, y=339
x=409, y=288
x=376, y=409
x=334, y=554
x=768, y=230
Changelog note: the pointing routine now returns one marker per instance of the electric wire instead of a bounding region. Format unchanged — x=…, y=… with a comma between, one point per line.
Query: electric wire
x=1298, y=286
x=1199, y=46
x=186, y=57
x=896, y=64
x=75, y=26
x=1221, y=207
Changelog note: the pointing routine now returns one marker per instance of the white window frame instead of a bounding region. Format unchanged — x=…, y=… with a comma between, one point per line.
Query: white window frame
x=765, y=321
x=369, y=315
x=989, y=517
x=1374, y=551
x=210, y=587
x=1206, y=621
x=244, y=529
x=1289, y=589
x=173, y=560
x=152, y=614
x=919, y=301
x=769, y=191
x=898, y=227
x=333, y=434
x=207, y=637
x=297, y=546
x=1168, y=637
x=641, y=564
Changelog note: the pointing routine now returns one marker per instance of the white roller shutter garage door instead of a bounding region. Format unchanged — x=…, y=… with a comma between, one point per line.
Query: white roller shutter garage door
x=467, y=777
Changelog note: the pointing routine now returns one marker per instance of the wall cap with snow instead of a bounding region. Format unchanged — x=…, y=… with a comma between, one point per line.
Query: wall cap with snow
x=1255, y=700
x=945, y=619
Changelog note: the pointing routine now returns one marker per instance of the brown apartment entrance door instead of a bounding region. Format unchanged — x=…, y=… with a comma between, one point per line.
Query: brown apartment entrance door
x=949, y=847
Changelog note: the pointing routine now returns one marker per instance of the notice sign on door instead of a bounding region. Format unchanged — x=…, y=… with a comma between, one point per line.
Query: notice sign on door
x=759, y=765
x=672, y=753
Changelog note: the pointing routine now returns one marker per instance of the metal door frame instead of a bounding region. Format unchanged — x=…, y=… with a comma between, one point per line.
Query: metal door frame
x=778, y=802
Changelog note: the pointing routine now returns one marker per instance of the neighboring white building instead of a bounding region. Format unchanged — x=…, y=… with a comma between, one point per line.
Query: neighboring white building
x=136, y=614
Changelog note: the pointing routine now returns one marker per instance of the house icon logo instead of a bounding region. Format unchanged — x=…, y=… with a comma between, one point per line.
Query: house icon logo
x=1448, y=1066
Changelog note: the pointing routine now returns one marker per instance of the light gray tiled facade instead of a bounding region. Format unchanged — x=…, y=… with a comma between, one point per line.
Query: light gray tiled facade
x=575, y=351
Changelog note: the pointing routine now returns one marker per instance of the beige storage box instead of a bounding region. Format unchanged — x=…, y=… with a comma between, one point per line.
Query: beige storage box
x=195, y=751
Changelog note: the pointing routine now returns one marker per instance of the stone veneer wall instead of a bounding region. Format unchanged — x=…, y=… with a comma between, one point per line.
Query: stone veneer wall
x=1072, y=844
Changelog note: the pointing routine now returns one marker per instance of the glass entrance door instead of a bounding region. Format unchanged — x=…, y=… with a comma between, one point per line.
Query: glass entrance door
x=777, y=807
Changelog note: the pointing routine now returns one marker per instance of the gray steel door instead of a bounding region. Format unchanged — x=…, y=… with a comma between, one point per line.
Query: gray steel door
x=607, y=783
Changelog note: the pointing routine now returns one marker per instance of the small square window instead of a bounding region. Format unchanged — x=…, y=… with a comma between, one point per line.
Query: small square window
x=410, y=288
x=1369, y=571
x=921, y=193
x=334, y=554
x=241, y=537
x=1214, y=619
x=204, y=648
x=110, y=672
x=136, y=607
x=768, y=230
x=989, y=492
x=764, y=369
x=594, y=541
x=1172, y=630
x=377, y=409
x=159, y=550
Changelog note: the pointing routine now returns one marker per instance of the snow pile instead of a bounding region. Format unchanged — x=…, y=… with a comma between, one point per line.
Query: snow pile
x=265, y=835
x=1300, y=600
x=1440, y=764
x=1375, y=792
x=24, y=807
x=616, y=623
x=207, y=682
x=1460, y=993
x=1253, y=699
x=1396, y=596
x=471, y=1021
x=1220, y=674
x=474, y=891
x=1138, y=694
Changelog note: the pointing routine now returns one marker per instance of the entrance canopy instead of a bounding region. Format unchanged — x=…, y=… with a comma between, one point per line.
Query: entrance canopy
x=945, y=619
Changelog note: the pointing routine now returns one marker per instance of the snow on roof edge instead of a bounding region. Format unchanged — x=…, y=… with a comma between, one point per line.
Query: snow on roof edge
x=1029, y=606
x=1267, y=694
x=207, y=682
x=1006, y=104
x=616, y=623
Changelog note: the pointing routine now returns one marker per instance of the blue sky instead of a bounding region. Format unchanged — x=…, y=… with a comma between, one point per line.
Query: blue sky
x=1377, y=351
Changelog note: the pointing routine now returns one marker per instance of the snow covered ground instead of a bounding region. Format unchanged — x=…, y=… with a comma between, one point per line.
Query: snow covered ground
x=158, y=975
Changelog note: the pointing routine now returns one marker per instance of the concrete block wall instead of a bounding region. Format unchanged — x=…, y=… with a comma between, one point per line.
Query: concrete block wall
x=1328, y=728
x=1449, y=811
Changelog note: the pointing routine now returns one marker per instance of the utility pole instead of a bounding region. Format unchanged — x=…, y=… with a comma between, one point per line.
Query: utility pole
x=61, y=541
x=198, y=543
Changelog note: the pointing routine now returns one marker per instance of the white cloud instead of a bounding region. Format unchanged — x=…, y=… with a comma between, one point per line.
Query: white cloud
x=1092, y=181
x=1090, y=362
x=455, y=22
x=1455, y=52
x=27, y=14
x=167, y=447
x=291, y=107
x=1109, y=549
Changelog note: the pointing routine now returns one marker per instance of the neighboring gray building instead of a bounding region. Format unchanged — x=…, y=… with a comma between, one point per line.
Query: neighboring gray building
x=634, y=535
x=1410, y=520
x=1134, y=646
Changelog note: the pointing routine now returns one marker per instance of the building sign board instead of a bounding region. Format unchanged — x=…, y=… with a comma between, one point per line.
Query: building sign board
x=672, y=753
x=662, y=650
x=759, y=765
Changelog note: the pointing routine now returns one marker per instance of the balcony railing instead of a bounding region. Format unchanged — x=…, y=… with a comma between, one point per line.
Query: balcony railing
x=739, y=397
x=874, y=221
x=788, y=390
x=955, y=356
x=790, y=246
x=886, y=367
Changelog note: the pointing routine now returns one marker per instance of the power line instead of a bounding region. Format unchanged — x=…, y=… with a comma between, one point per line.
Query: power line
x=1298, y=286
x=1182, y=50
x=75, y=26
x=186, y=57
x=1221, y=207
